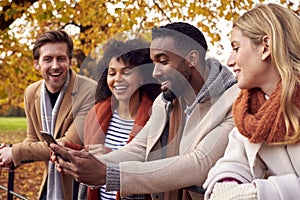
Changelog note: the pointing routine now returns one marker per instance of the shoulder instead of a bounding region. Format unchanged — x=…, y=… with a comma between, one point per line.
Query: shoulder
x=229, y=96
x=82, y=83
x=234, y=90
x=159, y=100
x=85, y=80
x=32, y=89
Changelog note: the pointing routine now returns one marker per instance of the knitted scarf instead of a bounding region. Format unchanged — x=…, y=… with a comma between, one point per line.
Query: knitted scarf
x=218, y=81
x=103, y=116
x=260, y=119
x=48, y=116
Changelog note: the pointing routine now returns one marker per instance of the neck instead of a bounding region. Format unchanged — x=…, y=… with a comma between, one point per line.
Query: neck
x=196, y=82
x=128, y=109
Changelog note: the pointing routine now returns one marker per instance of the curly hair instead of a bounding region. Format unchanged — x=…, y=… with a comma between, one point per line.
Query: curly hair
x=133, y=53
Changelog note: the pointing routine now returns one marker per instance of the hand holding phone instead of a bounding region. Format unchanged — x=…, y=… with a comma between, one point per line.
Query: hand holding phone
x=49, y=139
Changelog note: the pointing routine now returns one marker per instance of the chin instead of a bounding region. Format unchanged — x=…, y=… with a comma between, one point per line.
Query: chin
x=169, y=95
x=243, y=86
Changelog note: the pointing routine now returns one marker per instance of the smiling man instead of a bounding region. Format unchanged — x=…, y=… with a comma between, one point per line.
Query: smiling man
x=186, y=133
x=58, y=105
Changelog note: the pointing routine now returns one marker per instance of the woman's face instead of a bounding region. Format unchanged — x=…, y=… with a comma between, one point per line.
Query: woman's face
x=252, y=63
x=122, y=80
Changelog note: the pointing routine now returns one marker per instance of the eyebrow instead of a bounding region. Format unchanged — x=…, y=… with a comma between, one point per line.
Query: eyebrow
x=157, y=56
x=124, y=68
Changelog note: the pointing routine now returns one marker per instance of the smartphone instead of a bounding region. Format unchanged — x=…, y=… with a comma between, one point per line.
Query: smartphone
x=49, y=139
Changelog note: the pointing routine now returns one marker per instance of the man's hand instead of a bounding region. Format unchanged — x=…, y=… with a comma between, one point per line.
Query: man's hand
x=83, y=166
x=5, y=156
x=97, y=149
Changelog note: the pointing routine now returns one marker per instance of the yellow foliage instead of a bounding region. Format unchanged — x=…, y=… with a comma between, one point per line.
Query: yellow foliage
x=92, y=23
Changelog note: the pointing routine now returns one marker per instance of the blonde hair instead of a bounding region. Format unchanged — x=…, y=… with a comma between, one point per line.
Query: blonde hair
x=283, y=28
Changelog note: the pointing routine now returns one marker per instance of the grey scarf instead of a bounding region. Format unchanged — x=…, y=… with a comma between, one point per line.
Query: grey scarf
x=218, y=81
x=49, y=115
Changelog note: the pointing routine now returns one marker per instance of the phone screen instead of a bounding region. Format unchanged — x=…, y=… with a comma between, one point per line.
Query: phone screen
x=48, y=138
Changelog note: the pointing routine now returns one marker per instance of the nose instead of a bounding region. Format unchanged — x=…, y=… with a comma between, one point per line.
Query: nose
x=55, y=64
x=231, y=61
x=157, y=71
x=118, y=76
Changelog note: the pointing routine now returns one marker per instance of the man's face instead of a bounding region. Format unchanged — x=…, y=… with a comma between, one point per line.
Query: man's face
x=54, y=64
x=170, y=69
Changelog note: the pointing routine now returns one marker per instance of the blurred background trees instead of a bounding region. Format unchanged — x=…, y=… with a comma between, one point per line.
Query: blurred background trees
x=91, y=23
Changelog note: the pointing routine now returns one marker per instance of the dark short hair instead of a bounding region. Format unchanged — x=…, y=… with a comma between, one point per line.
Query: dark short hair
x=53, y=36
x=132, y=53
x=186, y=36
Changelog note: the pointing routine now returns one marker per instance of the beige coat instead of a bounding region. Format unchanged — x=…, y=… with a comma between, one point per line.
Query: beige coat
x=274, y=169
x=203, y=142
x=78, y=99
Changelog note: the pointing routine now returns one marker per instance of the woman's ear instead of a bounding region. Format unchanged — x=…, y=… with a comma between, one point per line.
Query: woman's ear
x=193, y=58
x=266, y=48
x=36, y=64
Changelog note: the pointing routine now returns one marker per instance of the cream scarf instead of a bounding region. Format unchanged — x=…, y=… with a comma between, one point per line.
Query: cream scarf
x=48, y=116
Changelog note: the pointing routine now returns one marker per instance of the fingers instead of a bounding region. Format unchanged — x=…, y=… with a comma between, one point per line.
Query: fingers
x=61, y=152
x=53, y=157
x=97, y=149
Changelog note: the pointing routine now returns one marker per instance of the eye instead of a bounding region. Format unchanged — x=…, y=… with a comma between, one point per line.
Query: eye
x=164, y=61
x=47, y=59
x=127, y=72
x=111, y=72
x=62, y=59
x=235, y=49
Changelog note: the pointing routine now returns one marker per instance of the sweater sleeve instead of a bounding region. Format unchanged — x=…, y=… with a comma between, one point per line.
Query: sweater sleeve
x=112, y=177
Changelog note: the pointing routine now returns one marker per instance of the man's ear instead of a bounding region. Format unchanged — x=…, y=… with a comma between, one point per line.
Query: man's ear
x=193, y=58
x=266, y=48
x=36, y=64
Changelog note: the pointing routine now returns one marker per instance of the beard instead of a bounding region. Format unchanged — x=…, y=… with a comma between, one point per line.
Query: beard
x=169, y=95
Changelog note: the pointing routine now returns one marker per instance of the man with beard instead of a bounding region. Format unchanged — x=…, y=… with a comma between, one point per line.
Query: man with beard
x=57, y=105
x=186, y=133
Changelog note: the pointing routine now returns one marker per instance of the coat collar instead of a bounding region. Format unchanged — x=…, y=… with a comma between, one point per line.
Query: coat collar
x=66, y=104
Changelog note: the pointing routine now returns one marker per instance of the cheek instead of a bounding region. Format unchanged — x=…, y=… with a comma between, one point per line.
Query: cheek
x=109, y=82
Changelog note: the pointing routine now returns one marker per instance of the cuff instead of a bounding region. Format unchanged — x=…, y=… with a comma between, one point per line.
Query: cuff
x=113, y=177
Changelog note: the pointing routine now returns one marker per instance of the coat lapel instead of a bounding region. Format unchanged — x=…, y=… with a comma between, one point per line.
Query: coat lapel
x=252, y=151
x=192, y=134
x=37, y=105
x=160, y=122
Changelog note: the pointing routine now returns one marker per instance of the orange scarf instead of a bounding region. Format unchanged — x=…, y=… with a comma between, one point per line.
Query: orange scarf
x=261, y=120
x=103, y=116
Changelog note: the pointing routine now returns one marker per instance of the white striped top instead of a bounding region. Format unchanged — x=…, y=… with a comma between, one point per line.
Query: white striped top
x=117, y=136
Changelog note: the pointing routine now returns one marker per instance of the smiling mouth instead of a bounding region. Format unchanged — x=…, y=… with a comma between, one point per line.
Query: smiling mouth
x=120, y=88
x=55, y=74
x=165, y=85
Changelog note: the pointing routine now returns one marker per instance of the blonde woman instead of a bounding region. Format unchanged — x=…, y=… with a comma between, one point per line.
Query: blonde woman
x=262, y=157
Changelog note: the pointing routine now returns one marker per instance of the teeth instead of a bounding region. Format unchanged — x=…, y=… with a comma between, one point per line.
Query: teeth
x=120, y=87
x=55, y=74
x=164, y=83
